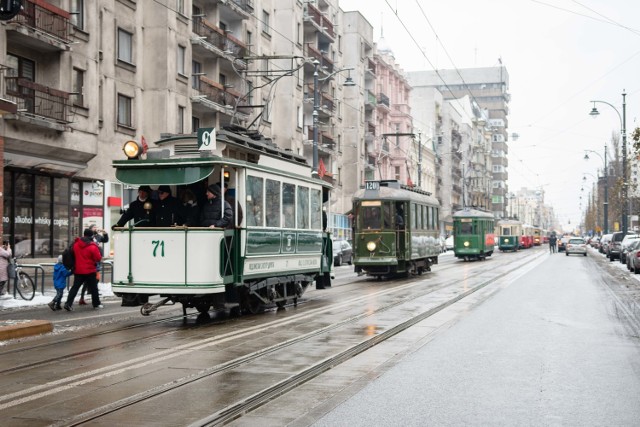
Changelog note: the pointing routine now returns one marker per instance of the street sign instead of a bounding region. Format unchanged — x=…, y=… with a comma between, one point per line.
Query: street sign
x=206, y=139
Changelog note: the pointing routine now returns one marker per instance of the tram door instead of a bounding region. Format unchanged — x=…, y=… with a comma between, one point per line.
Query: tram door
x=400, y=224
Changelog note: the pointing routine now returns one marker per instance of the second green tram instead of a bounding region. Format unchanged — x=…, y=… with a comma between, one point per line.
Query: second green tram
x=473, y=231
x=395, y=229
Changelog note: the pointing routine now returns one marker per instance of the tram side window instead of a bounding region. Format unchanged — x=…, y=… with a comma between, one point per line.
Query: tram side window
x=303, y=207
x=466, y=228
x=289, y=205
x=414, y=215
x=316, y=209
x=272, y=205
x=254, y=201
x=506, y=231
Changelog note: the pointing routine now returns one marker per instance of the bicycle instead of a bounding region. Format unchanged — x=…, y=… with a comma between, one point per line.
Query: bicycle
x=23, y=283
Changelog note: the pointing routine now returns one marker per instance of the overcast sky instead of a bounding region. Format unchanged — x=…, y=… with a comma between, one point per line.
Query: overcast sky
x=560, y=54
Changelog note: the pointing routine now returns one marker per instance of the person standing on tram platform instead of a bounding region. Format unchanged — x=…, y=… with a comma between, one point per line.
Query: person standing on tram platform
x=167, y=209
x=140, y=210
x=214, y=213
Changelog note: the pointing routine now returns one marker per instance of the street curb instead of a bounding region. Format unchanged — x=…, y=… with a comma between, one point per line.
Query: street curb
x=11, y=329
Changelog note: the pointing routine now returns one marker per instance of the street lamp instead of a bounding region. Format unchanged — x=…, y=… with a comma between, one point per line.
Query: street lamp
x=606, y=187
x=623, y=124
x=316, y=106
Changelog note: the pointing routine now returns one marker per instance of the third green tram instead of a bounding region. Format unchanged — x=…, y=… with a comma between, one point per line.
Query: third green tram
x=395, y=229
x=473, y=231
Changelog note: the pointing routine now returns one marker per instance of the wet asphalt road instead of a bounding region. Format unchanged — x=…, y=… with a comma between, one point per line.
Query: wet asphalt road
x=553, y=348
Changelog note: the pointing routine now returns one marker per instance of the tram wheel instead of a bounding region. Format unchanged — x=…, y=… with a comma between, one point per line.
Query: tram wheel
x=281, y=304
x=203, y=307
x=253, y=304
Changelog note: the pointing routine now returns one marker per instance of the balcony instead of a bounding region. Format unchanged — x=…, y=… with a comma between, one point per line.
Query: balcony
x=383, y=101
x=215, y=96
x=326, y=143
x=234, y=10
x=215, y=40
x=40, y=26
x=370, y=101
x=326, y=64
x=319, y=21
x=37, y=103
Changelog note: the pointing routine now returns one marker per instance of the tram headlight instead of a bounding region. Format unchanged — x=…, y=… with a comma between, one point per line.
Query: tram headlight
x=132, y=149
x=506, y=240
x=371, y=246
x=466, y=244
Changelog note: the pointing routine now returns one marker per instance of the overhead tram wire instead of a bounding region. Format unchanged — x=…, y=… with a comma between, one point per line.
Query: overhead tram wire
x=395, y=12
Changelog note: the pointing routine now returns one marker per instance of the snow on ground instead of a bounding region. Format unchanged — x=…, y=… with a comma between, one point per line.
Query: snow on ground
x=7, y=300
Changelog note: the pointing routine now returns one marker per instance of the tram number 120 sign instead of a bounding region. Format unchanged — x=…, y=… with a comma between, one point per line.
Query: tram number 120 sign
x=372, y=185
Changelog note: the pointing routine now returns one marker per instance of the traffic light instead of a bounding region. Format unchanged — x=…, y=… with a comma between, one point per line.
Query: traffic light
x=9, y=9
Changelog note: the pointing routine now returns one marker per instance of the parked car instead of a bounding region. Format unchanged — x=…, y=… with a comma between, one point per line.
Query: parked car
x=615, y=246
x=342, y=252
x=448, y=243
x=625, y=245
x=631, y=254
x=595, y=242
x=576, y=245
x=604, y=244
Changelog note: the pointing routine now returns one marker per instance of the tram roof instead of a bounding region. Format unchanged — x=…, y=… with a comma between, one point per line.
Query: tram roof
x=470, y=212
x=391, y=193
x=177, y=161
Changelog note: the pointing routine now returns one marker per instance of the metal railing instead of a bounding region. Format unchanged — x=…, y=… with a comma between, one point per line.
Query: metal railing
x=37, y=99
x=218, y=38
x=35, y=15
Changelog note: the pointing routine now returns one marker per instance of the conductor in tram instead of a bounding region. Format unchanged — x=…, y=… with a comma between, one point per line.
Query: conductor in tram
x=215, y=214
x=140, y=210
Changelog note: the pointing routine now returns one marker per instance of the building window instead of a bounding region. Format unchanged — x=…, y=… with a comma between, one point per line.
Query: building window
x=77, y=14
x=266, y=29
x=125, y=46
x=77, y=87
x=300, y=117
x=180, y=118
x=124, y=111
x=397, y=172
x=196, y=72
x=180, y=6
x=195, y=124
x=180, y=59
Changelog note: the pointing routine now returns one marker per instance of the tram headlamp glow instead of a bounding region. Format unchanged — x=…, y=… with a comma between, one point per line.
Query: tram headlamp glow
x=466, y=244
x=132, y=149
x=506, y=240
x=371, y=246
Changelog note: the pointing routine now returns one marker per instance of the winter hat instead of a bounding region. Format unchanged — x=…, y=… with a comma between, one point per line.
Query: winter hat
x=146, y=189
x=59, y=259
x=164, y=189
x=88, y=233
x=214, y=189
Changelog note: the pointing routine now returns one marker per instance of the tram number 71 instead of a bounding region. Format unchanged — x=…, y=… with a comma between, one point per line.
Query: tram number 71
x=158, y=244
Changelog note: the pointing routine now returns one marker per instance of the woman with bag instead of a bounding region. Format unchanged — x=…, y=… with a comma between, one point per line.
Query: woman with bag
x=5, y=261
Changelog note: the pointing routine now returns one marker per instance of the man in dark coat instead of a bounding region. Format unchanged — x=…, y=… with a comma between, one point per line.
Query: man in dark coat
x=229, y=196
x=167, y=208
x=140, y=210
x=213, y=214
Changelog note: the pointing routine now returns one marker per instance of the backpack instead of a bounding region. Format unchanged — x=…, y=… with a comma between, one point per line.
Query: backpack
x=69, y=258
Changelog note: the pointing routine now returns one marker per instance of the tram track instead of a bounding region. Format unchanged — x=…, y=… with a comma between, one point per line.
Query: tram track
x=255, y=400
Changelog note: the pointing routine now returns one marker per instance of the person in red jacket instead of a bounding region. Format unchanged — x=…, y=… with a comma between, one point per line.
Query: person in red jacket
x=87, y=254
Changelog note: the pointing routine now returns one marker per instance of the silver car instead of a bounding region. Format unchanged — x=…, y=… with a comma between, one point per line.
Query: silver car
x=576, y=245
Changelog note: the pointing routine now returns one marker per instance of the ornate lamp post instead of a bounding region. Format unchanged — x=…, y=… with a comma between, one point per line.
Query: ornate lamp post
x=623, y=124
x=606, y=187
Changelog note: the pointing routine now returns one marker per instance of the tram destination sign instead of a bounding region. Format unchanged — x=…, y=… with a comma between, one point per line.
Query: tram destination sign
x=206, y=139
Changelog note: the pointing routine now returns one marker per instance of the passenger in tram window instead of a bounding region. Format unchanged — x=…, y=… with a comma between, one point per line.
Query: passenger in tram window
x=140, y=210
x=167, y=209
x=213, y=214
x=190, y=209
x=399, y=217
x=230, y=197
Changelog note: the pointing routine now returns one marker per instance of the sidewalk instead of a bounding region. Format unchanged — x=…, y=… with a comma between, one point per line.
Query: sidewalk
x=11, y=329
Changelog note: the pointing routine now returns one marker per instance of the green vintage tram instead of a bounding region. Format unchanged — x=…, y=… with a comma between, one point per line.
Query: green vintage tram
x=473, y=231
x=509, y=232
x=396, y=229
x=270, y=256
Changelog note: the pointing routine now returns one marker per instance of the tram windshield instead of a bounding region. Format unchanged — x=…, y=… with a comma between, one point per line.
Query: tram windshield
x=375, y=215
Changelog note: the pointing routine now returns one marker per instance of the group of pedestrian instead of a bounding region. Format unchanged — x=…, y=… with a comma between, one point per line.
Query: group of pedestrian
x=87, y=255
